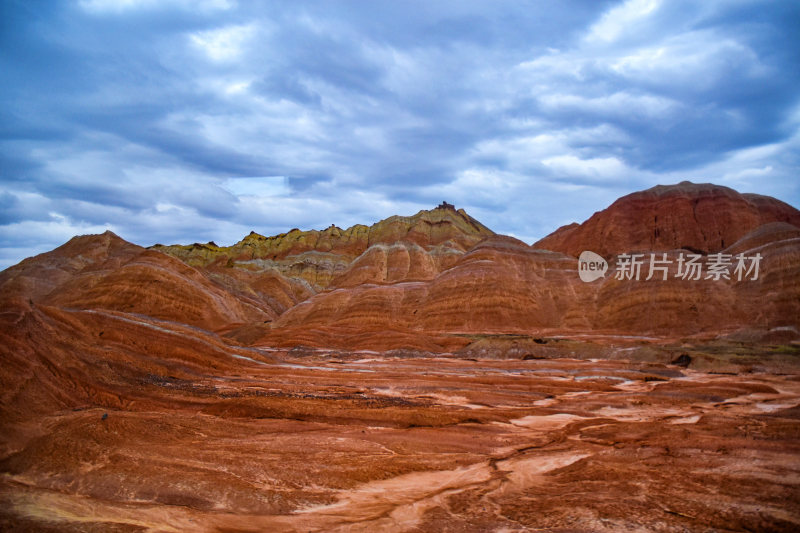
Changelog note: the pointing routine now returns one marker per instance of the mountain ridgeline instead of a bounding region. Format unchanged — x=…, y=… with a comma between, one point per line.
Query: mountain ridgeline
x=438, y=280
x=413, y=247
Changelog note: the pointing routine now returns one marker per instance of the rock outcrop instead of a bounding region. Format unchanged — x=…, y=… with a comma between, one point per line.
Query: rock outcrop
x=423, y=244
x=700, y=217
x=501, y=285
x=108, y=273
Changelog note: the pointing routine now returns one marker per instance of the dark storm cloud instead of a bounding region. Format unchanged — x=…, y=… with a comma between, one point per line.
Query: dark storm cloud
x=136, y=115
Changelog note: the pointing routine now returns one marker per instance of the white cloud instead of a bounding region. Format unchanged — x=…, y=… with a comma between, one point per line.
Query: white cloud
x=598, y=167
x=237, y=87
x=257, y=186
x=479, y=185
x=693, y=60
x=520, y=152
x=620, y=103
x=562, y=151
x=544, y=72
x=224, y=44
x=620, y=19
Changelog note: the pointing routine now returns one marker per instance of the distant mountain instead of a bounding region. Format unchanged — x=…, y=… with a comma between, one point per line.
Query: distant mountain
x=418, y=247
x=501, y=285
x=435, y=280
x=701, y=217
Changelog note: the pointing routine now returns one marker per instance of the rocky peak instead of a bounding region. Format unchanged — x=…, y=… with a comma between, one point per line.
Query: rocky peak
x=696, y=216
x=318, y=256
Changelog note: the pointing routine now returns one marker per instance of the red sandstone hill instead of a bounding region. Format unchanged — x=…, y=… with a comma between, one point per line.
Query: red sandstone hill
x=400, y=248
x=108, y=273
x=504, y=286
x=702, y=217
x=435, y=280
x=99, y=313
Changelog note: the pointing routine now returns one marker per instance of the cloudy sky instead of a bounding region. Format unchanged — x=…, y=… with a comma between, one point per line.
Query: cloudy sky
x=178, y=121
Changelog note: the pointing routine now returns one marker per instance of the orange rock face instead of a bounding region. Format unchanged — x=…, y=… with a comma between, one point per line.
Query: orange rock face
x=500, y=286
x=421, y=374
x=105, y=272
x=701, y=217
x=504, y=286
